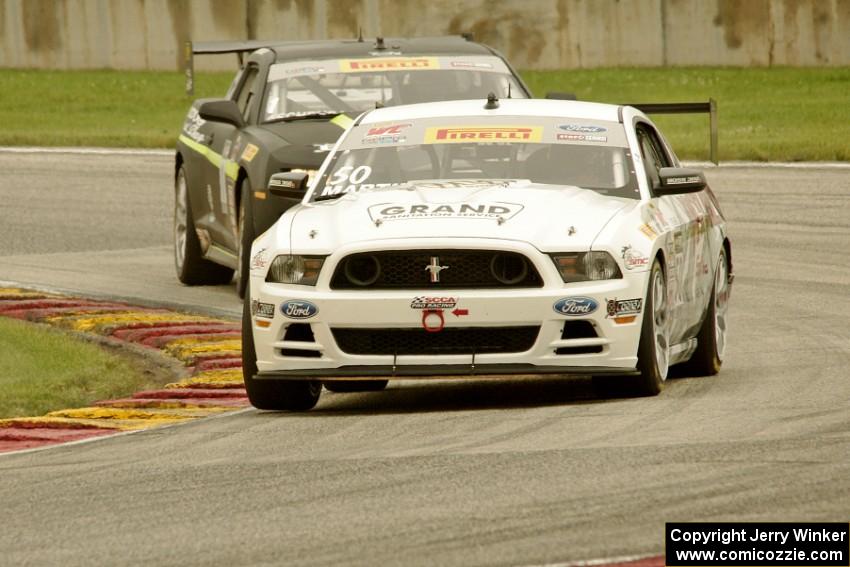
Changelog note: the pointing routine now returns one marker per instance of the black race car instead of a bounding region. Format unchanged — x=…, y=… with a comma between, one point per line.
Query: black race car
x=285, y=109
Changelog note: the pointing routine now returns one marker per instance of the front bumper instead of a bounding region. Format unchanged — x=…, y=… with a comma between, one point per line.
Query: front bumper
x=616, y=342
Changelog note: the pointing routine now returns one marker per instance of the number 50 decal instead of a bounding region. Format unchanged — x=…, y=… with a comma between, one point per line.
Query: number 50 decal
x=350, y=175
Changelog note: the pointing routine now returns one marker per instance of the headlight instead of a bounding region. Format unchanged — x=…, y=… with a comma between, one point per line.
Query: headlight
x=302, y=270
x=586, y=266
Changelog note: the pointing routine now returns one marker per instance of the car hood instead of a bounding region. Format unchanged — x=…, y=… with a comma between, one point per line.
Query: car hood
x=551, y=218
x=305, y=143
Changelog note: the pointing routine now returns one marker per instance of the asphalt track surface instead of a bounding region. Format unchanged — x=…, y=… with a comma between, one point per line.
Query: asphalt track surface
x=509, y=472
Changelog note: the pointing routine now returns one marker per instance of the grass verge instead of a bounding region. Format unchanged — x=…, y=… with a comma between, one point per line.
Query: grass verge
x=43, y=369
x=779, y=113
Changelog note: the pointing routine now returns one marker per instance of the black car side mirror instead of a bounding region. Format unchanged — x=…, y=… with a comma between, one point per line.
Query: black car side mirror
x=677, y=180
x=221, y=110
x=292, y=184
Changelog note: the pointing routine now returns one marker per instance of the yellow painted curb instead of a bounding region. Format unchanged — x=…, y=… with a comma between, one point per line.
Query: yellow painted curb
x=106, y=413
x=230, y=378
x=115, y=319
x=70, y=423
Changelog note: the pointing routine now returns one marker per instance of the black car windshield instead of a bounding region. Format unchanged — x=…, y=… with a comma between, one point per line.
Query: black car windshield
x=314, y=88
x=458, y=152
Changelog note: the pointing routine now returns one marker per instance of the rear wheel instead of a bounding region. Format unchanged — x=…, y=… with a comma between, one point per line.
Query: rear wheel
x=246, y=238
x=345, y=386
x=189, y=263
x=293, y=395
x=711, y=340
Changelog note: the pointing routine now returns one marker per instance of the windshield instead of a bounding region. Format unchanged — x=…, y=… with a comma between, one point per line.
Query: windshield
x=458, y=152
x=306, y=88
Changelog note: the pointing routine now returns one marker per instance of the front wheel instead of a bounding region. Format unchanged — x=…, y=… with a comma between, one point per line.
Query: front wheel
x=653, y=350
x=293, y=395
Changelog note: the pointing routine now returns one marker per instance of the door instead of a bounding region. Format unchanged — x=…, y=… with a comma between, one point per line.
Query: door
x=680, y=215
x=226, y=141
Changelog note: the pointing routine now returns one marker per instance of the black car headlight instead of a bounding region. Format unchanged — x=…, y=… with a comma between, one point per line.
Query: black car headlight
x=586, y=266
x=301, y=270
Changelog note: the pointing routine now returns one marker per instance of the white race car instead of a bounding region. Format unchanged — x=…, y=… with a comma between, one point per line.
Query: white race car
x=481, y=238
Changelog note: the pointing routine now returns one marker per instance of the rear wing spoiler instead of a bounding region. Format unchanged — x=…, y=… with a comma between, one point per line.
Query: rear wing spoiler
x=709, y=107
x=240, y=48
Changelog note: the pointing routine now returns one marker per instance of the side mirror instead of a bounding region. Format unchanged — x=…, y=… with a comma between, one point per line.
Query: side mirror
x=561, y=96
x=221, y=110
x=292, y=184
x=676, y=180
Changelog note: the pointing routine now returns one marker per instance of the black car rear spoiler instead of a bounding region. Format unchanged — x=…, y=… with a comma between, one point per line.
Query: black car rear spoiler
x=240, y=48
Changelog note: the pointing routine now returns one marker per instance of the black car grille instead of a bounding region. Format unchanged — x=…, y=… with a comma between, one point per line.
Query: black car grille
x=409, y=269
x=457, y=340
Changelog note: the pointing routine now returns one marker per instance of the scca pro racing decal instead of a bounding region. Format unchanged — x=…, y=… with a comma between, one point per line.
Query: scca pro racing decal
x=386, y=134
x=426, y=302
x=498, y=210
x=575, y=306
x=298, y=309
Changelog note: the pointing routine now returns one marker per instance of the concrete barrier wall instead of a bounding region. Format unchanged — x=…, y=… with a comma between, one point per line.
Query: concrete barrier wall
x=533, y=34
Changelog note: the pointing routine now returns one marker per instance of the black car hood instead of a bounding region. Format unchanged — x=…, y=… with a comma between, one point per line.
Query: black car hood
x=305, y=143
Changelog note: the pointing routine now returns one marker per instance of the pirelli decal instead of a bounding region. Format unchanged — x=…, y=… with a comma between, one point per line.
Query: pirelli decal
x=388, y=64
x=461, y=134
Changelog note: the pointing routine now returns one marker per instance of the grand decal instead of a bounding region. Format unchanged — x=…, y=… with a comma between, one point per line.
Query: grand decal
x=464, y=134
x=390, y=211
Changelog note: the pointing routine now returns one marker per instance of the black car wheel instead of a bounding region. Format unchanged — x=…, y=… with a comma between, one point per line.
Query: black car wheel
x=293, y=395
x=346, y=386
x=246, y=238
x=191, y=267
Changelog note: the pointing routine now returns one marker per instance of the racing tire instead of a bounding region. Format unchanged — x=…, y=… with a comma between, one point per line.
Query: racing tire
x=653, y=350
x=191, y=267
x=711, y=339
x=292, y=395
x=347, y=386
x=246, y=238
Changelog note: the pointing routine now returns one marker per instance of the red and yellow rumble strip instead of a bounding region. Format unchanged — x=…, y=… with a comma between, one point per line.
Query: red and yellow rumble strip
x=208, y=347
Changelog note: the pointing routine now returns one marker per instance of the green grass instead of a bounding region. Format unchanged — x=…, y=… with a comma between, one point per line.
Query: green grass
x=43, y=369
x=776, y=114
x=764, y=114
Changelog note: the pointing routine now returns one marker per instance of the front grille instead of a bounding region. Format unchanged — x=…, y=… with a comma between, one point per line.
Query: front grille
x=412, y=269
x=453, y=340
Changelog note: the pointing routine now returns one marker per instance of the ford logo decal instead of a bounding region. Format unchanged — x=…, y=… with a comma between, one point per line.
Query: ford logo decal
x=575, y=306
x=296, y=309
x=581, y=128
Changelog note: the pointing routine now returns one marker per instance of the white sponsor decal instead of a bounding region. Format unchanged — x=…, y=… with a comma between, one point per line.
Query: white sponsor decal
x=634, y=259
x=389, y=211
x=192, y=124
x=620, y=307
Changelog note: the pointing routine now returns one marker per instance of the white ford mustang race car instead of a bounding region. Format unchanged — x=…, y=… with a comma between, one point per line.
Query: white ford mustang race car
x=481, y=238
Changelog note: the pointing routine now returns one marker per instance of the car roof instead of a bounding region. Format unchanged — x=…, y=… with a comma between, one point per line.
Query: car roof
x=507, y=107
x=392, y=47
